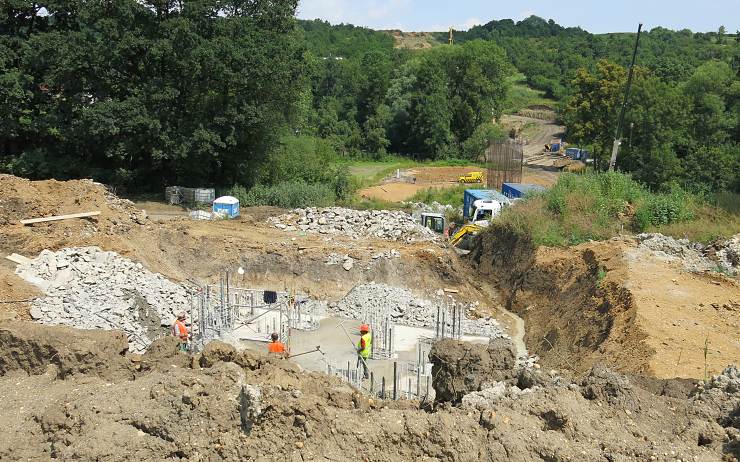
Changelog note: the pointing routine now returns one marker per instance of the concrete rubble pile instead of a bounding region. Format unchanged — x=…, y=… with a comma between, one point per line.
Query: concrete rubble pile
x=695, y=257
x=384, y=224
x=406, y=309
x=417, y=208
x=89, y=288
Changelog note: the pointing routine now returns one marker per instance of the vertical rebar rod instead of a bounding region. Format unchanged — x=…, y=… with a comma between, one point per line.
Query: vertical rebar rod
x=454, y=321
x=436, y=331
x=395, y=380
x=229, y=318
x=372, y=382
x=418, y=371
x=382, y=388
x=444, y=323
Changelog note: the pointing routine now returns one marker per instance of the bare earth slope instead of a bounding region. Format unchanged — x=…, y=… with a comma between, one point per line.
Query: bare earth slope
x=610, y=302
x=228, y=406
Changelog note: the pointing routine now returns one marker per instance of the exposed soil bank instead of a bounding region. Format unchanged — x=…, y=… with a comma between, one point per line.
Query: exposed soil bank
x=613, y=302
x=226, y=405
x=576, y=310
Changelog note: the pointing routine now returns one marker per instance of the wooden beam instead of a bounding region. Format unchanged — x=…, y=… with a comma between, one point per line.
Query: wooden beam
x=60, y=217
x=15, y=258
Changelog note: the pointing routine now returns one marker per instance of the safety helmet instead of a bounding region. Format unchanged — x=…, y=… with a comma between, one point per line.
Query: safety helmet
x=364, y=328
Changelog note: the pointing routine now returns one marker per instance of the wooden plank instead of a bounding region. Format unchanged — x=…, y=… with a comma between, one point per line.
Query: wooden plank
x=60, y=217
x=15, y=258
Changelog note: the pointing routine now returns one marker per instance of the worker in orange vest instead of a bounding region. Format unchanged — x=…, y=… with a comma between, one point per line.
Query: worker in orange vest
x=276, y=346
x=180, y=330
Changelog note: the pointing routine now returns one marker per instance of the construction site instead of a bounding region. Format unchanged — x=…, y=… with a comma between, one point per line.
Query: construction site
x=608, y=351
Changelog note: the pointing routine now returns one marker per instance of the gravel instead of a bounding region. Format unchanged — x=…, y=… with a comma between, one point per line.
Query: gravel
x=695, y=257
x=406, y=309
x=89, y=288
x=384, y=224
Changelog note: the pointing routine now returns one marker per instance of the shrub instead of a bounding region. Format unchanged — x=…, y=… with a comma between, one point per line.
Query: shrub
x=663, y=209
x=289, y=194
x=579, y=208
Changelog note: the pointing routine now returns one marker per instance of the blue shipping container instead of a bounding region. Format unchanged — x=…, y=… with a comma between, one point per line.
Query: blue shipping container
x=228, y=205
x=472, y=195
x=518, y=190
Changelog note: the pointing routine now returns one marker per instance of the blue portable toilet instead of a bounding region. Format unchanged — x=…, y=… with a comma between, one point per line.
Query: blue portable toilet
x=228, y=205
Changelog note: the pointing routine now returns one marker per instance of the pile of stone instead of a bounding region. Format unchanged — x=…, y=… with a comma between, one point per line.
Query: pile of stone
x=89, y=288
x=346, y=261
x=406, y=309
x=384, y=224
x=695, y=257
x=727, y=254
x=389, y=254
x=489, y=395
x=417, y=208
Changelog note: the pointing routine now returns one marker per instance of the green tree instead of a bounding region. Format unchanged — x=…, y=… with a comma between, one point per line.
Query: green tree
x=591, y=112
x=484, y=134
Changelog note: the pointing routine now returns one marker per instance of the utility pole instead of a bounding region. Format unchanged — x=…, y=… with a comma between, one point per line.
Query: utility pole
x=451, y=40
x=620, y=121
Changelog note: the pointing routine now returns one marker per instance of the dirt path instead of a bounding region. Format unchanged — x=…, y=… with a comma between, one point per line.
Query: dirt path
x=548, y=129
x=393, y=190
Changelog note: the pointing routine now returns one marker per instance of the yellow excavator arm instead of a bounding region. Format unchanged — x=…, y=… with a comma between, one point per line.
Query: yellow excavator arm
x=466, y=230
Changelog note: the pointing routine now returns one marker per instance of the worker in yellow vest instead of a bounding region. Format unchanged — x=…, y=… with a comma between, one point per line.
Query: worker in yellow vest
x=365, y=347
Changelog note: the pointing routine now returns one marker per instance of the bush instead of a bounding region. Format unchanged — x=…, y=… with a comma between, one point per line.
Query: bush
x=579, y=208
x=289, y=194
x=663, y=209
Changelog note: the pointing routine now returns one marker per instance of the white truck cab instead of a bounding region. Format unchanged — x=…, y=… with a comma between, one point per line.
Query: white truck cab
x=484, y=210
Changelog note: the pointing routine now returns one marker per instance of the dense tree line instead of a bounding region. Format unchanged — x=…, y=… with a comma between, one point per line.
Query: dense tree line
x=682, y=123
x=550, y=54
x=370, y=98
x=675, y=132
x=223, y=92
x=146, y=92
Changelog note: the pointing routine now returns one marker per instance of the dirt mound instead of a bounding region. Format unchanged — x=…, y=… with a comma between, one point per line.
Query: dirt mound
x=21, y=199
x=32, y=348
x=270, y=410
x=459, y=368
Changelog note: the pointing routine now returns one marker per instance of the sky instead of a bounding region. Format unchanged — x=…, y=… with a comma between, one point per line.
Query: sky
x=596, y=16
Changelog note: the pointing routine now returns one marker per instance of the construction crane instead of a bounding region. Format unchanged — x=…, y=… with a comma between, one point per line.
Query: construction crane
x=620, y=121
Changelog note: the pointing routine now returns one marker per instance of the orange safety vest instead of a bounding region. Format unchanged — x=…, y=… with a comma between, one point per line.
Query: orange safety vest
x=180, y=330
x=276, y=347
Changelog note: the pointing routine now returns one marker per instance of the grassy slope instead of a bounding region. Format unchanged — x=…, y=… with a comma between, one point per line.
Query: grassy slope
x=598, y=206
x=521, y=96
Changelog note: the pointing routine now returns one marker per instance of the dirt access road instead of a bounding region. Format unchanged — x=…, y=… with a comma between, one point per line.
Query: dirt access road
x=546, y=131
